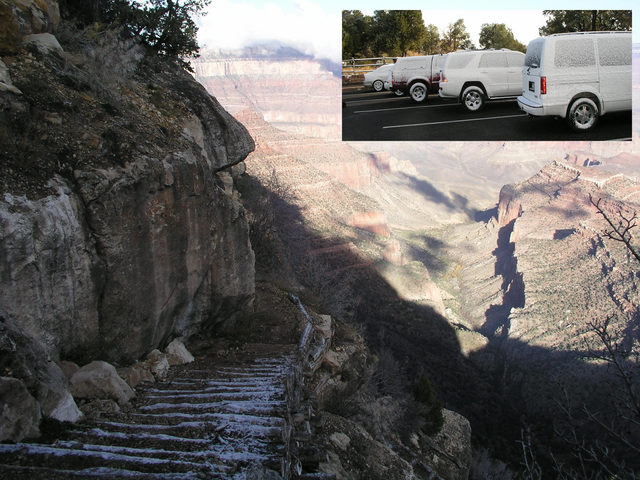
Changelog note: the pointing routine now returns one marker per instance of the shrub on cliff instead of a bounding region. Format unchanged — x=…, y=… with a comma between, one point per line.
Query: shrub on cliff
x=166, y=26
x=424, y=394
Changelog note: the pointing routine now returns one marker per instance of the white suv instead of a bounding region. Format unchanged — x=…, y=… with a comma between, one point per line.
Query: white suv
x=475, y=76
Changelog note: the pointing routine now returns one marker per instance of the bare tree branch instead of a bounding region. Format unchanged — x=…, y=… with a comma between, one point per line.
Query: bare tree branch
x=620, y=232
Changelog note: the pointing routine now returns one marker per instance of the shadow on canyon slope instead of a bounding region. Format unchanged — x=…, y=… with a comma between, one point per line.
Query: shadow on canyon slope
x=431, y=193
x=506, y=266
x=499, y=387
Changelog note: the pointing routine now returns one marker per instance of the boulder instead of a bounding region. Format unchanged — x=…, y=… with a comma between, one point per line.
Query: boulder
x=44, y=43
x=352, y=453
x=322, y=323
x=177, y=353
x=19, y=18
x=449, y=452
x=20, y=412
x=100, y=380
x=68, y=368
x=158, y=363
x=25, y=358
x=334, y=360
x=5, y=80
x=136, y=374
x=340, y=440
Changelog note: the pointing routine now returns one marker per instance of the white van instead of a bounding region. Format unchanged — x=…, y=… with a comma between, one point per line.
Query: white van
x=577, y=76
x=418, y=76
x=475, y=76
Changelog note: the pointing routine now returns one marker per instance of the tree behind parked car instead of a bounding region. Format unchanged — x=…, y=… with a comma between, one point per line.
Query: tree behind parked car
x=563, y=21
x=497, y=36
x=456, y=37
x=398, y=31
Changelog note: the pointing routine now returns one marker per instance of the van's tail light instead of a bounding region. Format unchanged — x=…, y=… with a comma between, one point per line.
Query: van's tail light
x=443, y=78
x=543, y=85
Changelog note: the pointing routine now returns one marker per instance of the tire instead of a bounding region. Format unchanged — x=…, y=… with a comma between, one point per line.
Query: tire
x=418, y=92
x=398, y=92
x=472, y=98
x=583, y=115
x=378, y=85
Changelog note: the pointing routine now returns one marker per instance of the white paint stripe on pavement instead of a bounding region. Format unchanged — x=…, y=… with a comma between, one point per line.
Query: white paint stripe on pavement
x=405, y=108
x=454, y=121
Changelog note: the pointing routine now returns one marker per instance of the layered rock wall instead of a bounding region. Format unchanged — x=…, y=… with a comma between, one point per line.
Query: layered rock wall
x=119, y=227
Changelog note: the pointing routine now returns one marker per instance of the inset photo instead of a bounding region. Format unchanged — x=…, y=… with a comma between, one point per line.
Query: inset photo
x=548, y=75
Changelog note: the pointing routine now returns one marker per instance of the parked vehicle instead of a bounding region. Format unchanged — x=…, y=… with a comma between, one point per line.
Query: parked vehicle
x=388, y=84
x=577, y=76
x=418, y=76
x=475, y=76
x=377, y=78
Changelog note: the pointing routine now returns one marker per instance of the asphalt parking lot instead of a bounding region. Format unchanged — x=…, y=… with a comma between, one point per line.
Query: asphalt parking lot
x=368, y=115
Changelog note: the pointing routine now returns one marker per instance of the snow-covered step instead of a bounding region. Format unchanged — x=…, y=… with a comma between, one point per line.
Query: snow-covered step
x=51, y=456
x=196, y=429
x=31, y=472
x=204, y=421
x=165, y=419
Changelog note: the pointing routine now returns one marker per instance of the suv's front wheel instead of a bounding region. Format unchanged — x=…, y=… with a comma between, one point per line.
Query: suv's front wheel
x=472, y=98
x=583, y=115
x=418, y=92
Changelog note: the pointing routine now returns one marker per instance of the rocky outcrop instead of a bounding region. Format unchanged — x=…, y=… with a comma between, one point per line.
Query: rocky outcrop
x=128, y=231
x=449, y=451
x=20, y=18
x=509, y=207
x=26, y=359
x=374, y=222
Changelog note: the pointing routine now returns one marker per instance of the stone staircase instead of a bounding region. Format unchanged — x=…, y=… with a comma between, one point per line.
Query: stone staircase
x=207, y=420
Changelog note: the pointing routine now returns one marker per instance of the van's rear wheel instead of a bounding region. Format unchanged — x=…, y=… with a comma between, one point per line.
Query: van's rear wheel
x=472, y=98
x=378, y=85
x=583, y=115
x=418, y=92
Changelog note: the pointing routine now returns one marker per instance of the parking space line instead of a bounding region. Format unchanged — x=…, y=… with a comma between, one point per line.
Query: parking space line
x=454, y=121
x=405, y=108
x=375, y=100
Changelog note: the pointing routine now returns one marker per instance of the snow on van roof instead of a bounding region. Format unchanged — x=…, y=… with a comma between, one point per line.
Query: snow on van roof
x=589, y=33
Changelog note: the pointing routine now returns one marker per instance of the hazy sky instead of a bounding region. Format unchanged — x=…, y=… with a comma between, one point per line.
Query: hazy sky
x=314, y=26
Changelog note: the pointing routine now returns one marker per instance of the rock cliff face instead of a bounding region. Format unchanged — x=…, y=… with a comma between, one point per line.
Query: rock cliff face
x=119, y=227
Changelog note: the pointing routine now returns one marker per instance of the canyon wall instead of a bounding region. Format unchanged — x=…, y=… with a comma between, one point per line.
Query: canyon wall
x=119, y=223
x=291, y=92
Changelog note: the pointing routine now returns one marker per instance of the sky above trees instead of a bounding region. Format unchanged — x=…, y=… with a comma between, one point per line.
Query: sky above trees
x=314, y=27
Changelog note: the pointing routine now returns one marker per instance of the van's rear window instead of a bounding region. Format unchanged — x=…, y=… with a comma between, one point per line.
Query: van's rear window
x=575, y=52
x=534, y=51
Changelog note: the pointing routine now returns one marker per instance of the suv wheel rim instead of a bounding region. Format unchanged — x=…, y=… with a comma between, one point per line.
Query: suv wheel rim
x=473, y=100
x=378, y=86
x=418, y=93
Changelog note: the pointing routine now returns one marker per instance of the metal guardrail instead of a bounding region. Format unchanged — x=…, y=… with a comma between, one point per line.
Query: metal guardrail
x=354, y=66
